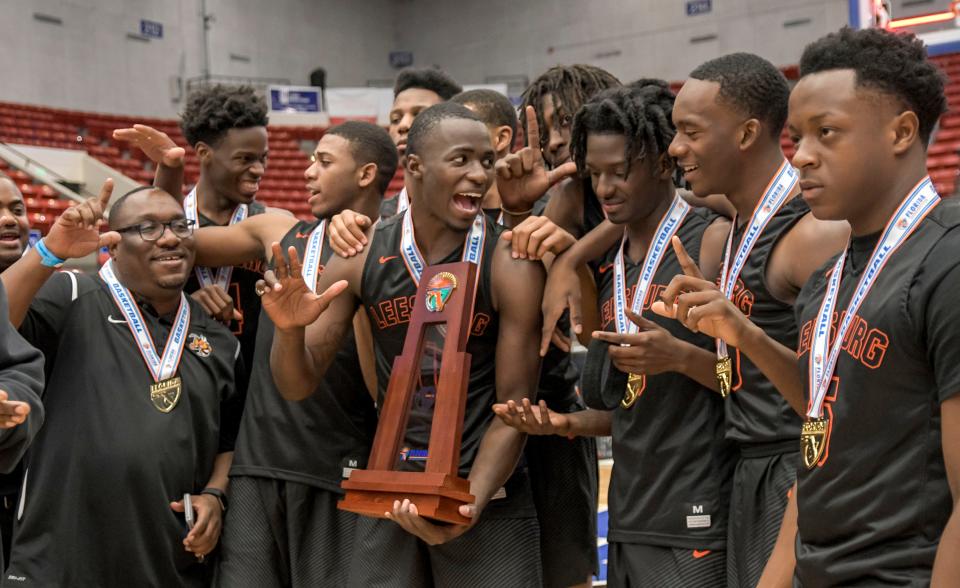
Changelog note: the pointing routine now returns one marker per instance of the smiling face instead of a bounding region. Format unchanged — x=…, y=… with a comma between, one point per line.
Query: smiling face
x=706, y=144
x=155, y=270
x=845, y=138
x=236, y=164
x=454, y=167
x=332, y=177
x=625, y=190
x=14, y=225
x=406, y=106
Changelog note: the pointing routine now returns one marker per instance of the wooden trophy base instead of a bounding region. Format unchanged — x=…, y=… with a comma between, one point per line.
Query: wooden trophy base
x=438, y=496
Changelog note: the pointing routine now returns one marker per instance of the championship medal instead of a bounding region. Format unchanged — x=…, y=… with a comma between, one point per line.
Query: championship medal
x=813, y=436
x=165, y=394
x=166, y=389
x=824, y=355
x=439, y=289
x=635, y=385
x=311, y=256
x=725, y=375
x=667, y=228
x=774, y=197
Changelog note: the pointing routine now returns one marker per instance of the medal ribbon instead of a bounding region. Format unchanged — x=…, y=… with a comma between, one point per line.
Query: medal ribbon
x=204, y=274
x=774, y=197
x=161, y=368
x=311, y=256
x=667, y=228
x=914, y=208
x=403, y=201
x=472, y=246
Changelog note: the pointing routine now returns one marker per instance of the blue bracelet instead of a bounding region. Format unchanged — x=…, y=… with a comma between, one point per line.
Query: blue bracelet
x=47, y=258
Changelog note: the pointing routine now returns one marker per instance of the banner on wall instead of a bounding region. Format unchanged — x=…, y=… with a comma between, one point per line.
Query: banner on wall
x=295, y=99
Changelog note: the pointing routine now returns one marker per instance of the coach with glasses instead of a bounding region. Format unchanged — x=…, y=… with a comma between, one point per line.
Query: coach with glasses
x=140, y=401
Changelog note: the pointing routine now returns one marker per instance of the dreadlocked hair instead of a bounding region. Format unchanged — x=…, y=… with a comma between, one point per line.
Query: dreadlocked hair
x=569, y=86
x=640, y=111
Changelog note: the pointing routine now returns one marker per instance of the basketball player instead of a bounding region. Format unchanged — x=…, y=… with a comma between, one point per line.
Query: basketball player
x=729, y=115
x=449, y=167
x=154, y=422
x=672, y=471
x=227, y=128
x=878, y=489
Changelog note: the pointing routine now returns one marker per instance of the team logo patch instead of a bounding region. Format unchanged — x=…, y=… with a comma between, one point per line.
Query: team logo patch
x=200, y=345
x=439, y=289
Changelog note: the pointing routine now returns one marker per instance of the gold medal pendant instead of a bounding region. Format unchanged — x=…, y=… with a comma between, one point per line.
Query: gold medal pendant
x=725, y=375
x=813, y=441
x=635, y=385
x=165, y=394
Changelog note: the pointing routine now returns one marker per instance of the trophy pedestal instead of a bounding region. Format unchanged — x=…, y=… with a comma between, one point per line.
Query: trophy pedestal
x=437, y=496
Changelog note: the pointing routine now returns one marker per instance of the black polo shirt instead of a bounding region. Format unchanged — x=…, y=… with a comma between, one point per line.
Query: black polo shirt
x=102, y=473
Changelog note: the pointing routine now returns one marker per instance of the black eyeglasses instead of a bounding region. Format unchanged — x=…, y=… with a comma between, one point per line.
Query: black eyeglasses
x=153, y=230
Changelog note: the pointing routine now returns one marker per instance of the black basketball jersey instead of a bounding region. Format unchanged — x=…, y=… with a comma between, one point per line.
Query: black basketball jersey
x=756, y=412
x=874, y=506
x=387, y=292
x=242, y=289
x=672, y=470
x=315, y=441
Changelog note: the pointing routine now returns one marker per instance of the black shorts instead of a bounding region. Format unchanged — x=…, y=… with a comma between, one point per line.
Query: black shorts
x=495, y=552
x=635, y=565
x=281, y=533
x=564, y=479
x=761, y=484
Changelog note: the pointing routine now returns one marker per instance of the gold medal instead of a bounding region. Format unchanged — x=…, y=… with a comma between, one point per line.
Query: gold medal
x=635, y=385
x=165, y=394
x=812, y=441
x=725, y=375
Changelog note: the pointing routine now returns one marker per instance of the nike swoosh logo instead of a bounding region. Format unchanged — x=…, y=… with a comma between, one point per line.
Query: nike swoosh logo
x=110, y=319
x=697, y=554
x=605, y=268
x=384, y=260
x=302, y=235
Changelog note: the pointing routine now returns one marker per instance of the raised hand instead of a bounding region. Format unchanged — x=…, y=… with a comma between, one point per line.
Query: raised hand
x=536, y=236
x=346, y=232
x=532, y=420
x=406, y=515
x=12, y=412
x=652, y=350
x=561, y=292
x=285, y=296
x=156, y=145
x=700, y=305
x=217, y=303
x=523, y=177
x=76, y=232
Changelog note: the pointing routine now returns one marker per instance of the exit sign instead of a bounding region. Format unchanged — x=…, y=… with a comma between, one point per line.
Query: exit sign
x=696, y=7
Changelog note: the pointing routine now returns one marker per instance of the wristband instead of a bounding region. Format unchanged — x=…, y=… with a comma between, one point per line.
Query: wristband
x=512, y=213
x=47, y=258
x=219, y=494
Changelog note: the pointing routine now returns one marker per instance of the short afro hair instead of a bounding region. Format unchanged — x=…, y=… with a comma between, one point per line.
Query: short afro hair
x=750, y=84
x=893, y=63
x=370, y=144
x=429, y=119
x=120, y=203
x=571, y=86
x=214, y=110
x=641, y=112
x=491, y=106
x=427, y=78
